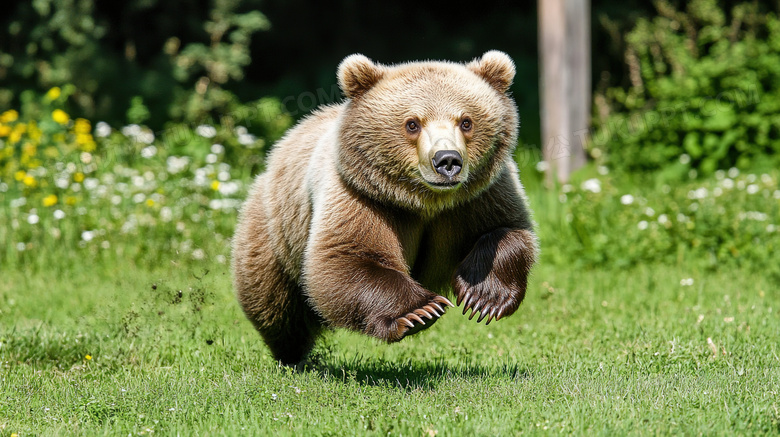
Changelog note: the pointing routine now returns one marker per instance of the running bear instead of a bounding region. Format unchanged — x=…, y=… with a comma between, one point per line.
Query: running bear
x=370, y=211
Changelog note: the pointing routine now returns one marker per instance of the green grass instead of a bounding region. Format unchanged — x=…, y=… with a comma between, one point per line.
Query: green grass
x=589, y=352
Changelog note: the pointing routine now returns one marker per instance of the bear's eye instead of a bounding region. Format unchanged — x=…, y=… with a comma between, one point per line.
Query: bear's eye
x=466, y=124
x=412, y=127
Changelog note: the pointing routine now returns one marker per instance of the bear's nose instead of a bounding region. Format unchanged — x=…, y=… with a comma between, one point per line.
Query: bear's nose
x=447, y=163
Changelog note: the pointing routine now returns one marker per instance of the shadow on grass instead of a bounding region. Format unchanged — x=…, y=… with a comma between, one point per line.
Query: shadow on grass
x=410, y=375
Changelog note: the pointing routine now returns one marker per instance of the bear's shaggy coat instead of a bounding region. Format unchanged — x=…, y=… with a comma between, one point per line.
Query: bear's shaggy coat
x=371, y=209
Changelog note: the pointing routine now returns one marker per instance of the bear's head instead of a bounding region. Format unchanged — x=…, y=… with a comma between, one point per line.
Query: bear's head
x=426, y=136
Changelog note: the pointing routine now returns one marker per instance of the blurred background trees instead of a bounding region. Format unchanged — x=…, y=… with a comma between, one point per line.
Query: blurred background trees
x=188, y=59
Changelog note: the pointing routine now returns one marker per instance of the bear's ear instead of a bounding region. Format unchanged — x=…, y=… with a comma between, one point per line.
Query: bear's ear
x=496, y=68
x=357, y=74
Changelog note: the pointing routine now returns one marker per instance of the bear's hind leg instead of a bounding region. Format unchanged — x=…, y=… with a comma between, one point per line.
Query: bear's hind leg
x=269, y=296
x=277, y=307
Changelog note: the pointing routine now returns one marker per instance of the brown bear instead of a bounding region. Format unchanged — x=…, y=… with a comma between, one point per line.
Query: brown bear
x=370, y=210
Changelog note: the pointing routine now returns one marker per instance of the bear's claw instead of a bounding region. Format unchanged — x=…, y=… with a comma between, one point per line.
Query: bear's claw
x=485, y=308
x=414, y=321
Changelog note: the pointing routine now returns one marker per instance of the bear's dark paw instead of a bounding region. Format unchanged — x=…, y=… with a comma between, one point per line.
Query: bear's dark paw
x=420, y=318
x=490, y=299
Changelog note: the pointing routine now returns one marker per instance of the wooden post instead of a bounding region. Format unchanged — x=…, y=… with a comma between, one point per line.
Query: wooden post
x=564, y=51
x=578, y=46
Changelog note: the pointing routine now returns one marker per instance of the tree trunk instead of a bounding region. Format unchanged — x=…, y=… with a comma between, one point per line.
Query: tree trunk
x=564, y=49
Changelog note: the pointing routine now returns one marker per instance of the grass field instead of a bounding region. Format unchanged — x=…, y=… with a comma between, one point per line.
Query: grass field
x=119, y=350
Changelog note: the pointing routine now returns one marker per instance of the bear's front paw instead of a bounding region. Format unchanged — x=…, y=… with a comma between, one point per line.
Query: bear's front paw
x=490, y=298
x=493, y=277
x=419, y=319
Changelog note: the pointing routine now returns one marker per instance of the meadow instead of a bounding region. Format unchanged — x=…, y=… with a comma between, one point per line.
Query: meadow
x=653, y=309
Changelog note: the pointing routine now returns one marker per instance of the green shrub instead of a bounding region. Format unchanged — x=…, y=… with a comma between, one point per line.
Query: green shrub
x=71, y=191
x=704, y=94
x=730, y=219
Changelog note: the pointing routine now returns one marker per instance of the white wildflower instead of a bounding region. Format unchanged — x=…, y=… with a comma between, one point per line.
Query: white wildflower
x=733, y=172
x=752, y=189
x=206, y=131
x=685, y=158
x=686, y=282
x=217, y=148
x=33, y=219
x=58, y=214
x=91, y=183
x=626, y=199
x=642, y=225
x=87, y=235
x=131, y=130
x=148, y=152
x=146, y=137
x=592, y=185
x=177, y=164
x=229, y=188
x=102, y=129
x=246, y=139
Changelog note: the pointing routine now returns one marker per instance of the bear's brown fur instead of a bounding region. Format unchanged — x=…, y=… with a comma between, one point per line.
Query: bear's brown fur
x=369, y=210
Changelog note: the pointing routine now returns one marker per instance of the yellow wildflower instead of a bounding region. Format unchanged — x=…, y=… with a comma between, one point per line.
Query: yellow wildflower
x=215, y=185
x=88, y=357
x=60, y=116
x=70, y=200
x=29, y=180
x=54, y=93
x=78, y=176
x=9, y=116
x=85, y=142
x=149, y=202
x=16, y=133
x=4, y=130
x=82, y=126
x=34, y=132
x=50, y=200
x=19, y=175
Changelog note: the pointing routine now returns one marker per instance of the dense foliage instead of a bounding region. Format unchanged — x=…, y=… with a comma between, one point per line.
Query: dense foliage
x=73, y=190
x=703, y=94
